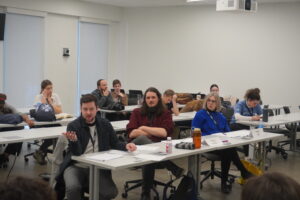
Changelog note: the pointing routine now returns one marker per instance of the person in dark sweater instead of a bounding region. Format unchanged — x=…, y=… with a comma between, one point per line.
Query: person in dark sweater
x=148, y=124
x=210, y=120
x=8, y=111
x=89, y=133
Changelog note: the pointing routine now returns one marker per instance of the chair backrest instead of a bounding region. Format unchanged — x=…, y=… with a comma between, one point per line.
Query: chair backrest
x=286, y=109
x=132, y=100
x=270, y=112
x=136, y=92
x=122, y=90
x=228, y=113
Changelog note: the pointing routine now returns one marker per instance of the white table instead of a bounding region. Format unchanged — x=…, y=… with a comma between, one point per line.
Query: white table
x=187, y=116
x=126, y=109
x=23, y=135
x=128, y=160
x=62, y=122
x=276, y=108
x=121, y=125
x=292, y=118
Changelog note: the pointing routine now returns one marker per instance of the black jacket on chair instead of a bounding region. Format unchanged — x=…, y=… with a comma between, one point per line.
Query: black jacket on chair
x=107, y=140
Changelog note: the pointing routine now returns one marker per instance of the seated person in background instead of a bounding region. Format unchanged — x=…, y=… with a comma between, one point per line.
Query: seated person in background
x=211, y=121
x=7, y=110
x=148, y=124
x=117, y=94
x=215, y=88
x=46, y=96
x=22, y=188
x=103, y=95
x=247, y=110
x=87, y=134
x=271, y=185
x=169, y=99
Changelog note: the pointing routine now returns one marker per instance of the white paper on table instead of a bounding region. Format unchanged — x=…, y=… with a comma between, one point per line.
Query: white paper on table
x=104, y=156
x=154, y=157
x=213, y=141
x=148, y=148
x=241, y=133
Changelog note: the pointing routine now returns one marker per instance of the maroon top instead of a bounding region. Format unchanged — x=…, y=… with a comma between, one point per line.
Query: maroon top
x=162, y=121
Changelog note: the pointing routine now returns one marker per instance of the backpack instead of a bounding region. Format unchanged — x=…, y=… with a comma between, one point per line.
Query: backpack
x=186, y=189
x=10, y=119
x=43, y=112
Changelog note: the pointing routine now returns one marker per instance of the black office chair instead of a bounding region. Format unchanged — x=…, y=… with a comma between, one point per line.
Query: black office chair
x=289, y=127
x=212, y=172
x=277, y=148
x=132, y=99
x=122, y=90
x=138, y=183
x=136, y=92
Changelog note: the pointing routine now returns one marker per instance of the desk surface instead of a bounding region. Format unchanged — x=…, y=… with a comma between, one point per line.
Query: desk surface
x=128, y=160
x=130, y=109
x=31, y=134
x=121, y=125
x=63, y=122
x=275, y=120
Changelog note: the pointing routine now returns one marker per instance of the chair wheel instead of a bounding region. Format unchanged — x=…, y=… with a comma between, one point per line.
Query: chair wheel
x=231, y=180
x=124, y=195
x=284, y=155
x=26, y=159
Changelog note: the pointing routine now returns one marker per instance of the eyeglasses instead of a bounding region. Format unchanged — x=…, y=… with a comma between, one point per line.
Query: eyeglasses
x=212, y=101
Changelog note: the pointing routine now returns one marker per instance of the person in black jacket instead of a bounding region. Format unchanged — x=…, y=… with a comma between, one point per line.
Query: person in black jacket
x=89, y=133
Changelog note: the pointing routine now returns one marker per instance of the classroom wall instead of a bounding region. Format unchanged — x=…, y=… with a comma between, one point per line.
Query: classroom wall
x=61, y=30
x=189, y=48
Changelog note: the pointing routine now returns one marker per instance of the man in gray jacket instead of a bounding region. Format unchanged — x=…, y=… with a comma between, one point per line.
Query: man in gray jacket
x=103, y=95
x=86, y=134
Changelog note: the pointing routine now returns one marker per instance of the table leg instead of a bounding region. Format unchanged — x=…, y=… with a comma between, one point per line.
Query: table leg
x=262, y=155
x=91, y=183
x=96, y=184
x=194, y=166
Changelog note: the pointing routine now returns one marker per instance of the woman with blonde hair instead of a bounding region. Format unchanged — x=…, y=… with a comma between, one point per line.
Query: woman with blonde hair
x=210, y=120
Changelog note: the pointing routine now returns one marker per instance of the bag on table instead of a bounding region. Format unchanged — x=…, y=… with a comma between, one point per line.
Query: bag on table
x=43, y=112
x=10, y=119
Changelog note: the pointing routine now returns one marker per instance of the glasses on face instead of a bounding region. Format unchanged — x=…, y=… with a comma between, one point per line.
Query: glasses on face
x=212, y=101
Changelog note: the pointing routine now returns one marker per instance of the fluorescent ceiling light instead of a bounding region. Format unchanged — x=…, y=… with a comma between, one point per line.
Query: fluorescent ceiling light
x=190, y=1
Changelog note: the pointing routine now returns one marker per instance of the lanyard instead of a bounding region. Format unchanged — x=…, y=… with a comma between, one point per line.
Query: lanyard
x=211, y=117
x=250, y=110
x=93, y=140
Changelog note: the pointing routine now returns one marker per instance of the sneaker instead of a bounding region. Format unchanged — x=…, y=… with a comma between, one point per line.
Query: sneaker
x=3, y=161
x=39, y=156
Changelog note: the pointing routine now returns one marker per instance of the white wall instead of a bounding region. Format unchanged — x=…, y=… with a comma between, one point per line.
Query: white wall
x=61, y=30
x=189, y=48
